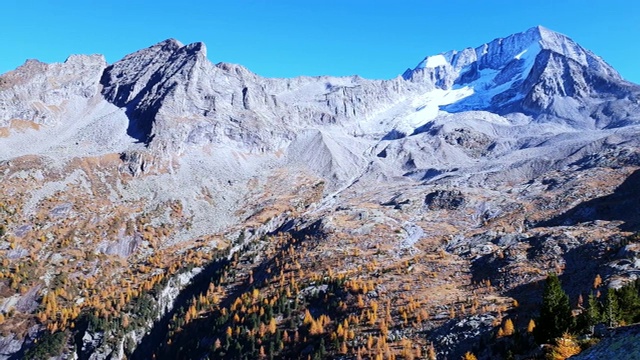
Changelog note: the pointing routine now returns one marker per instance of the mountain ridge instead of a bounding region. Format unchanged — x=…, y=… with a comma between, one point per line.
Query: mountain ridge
x=516, y=45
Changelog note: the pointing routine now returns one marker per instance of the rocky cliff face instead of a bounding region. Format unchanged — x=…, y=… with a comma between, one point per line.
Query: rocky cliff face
x=223, y=103
x=490, y=164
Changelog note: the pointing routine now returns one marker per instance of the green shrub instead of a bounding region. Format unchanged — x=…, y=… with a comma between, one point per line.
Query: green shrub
x=48, y=345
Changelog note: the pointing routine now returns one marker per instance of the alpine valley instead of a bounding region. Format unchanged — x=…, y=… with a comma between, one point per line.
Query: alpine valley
x=167, y=207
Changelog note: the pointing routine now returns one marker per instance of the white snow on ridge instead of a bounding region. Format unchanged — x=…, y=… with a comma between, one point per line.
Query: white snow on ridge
x=489, y=83
x=434, y=61
x=520, y=54
x=427, y=107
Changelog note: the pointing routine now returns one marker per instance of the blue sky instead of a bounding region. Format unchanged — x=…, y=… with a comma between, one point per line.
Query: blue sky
x=375, y=39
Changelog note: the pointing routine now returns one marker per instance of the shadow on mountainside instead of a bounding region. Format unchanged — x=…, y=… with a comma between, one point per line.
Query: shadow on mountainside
x=623, y=205
x=581, y=266
x=140, y=111
x=158, y=333
x=520, y=273
x=195, y=338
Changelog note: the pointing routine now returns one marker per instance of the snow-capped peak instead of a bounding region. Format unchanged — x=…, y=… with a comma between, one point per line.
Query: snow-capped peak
x=534, y=71
x=501, y=51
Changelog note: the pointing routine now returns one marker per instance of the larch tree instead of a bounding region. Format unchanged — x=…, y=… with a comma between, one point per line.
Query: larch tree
x=469, y=356
x=531, y=326
x=566, y=346
x=508, y=328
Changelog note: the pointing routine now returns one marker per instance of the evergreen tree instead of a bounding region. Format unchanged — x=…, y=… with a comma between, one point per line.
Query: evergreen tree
x=611, y=309
x=592, y=315
x=629, y=303
x=322, y=352
x=555, y=314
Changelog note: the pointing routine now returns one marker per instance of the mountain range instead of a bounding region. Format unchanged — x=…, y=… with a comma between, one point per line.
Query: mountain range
x=472, y=175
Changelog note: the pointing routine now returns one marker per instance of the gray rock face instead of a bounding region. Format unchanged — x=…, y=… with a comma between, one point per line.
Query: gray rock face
x=449, y=336
x=9, y=345
x=444, y=199
x=621, y=343
x=90, y=342
x=148, y=82
x=48, y=93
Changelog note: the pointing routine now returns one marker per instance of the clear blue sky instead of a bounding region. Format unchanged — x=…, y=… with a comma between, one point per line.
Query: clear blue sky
x=375, y=39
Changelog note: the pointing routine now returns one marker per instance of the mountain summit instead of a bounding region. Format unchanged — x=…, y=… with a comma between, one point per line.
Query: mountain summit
x=538, y=72
x=519, y=47
x=166, y=206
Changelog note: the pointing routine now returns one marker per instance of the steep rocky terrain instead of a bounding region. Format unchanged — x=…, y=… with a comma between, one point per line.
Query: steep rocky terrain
x=145, y=201
x=620, y=344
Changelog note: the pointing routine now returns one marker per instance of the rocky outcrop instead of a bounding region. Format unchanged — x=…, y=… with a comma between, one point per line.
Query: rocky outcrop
x=457, y=337
x=621, y=343
x=47, y=94
x=444, y=200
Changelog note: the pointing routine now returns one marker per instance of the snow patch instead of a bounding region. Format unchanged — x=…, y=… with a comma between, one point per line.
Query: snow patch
x=491, y=81
x=520, y=54
x=435, y=61
x=427, y=107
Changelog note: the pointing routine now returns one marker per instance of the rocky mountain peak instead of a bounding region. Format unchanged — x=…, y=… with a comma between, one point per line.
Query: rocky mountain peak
x=48, y=93
x=537, y=72
x=565, y=46
x=501, y=52
x=125, y=79
x=170, y=44
x=197, y=48
x=87, y=60
x=141, y=81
